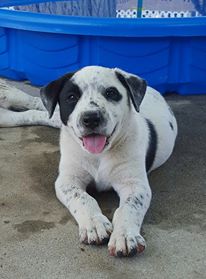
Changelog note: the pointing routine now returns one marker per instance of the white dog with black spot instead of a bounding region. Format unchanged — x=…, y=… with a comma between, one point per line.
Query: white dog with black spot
x=114, y=131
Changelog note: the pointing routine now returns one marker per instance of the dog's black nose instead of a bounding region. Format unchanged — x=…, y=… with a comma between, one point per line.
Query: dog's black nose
x=91, y=119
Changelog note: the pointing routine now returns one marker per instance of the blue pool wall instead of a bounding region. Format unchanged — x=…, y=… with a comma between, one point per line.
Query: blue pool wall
x=169, y=53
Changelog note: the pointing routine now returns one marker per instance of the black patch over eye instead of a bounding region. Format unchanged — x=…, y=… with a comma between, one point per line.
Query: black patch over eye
x=68, y=99
x=72, y=98
x=112, y=94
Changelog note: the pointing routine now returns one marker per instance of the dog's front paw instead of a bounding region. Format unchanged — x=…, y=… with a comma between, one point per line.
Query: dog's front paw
x=96, y=230
x=126, y=243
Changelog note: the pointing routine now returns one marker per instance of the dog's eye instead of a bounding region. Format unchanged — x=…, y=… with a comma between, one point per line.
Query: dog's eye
x=112, y=94
x=72, y=98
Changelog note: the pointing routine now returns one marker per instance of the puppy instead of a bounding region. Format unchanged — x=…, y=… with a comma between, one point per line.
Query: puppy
x=115, y=130
x=114, y=134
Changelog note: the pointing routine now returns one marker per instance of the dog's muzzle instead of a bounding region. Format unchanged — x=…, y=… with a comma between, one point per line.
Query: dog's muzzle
x=93, y=138
x=91, y=119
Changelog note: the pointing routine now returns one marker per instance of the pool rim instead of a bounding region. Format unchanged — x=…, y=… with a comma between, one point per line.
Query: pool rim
x=107, y=27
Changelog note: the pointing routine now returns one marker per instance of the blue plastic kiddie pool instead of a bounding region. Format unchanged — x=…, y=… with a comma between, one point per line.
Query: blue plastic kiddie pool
x=170, y=53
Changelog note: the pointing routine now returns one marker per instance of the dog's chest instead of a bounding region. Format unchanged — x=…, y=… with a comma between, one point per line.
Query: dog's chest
x=100, y=171
x=102, y=180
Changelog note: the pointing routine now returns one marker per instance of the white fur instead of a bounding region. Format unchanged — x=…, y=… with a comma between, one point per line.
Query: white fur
x=120, y=166
x=32, y=111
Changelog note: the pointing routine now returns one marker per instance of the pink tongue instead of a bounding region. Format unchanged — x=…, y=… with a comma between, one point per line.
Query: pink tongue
x=94, y=143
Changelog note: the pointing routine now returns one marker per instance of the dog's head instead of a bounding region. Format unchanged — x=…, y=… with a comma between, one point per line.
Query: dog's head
x=95, y=103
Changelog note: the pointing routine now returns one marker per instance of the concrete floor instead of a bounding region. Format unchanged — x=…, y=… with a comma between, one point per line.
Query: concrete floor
x=39, y=238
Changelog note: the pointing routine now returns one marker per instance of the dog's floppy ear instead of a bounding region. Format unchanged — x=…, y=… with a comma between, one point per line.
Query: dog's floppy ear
x=136, y=86
x=50, y=93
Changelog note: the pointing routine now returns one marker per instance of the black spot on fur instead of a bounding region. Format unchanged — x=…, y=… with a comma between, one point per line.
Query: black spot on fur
x=171, y=126
x=137, y=201
x=17, y=109
x=134, y=202
x=76, y=195
x=94, y=104
x=152, y=147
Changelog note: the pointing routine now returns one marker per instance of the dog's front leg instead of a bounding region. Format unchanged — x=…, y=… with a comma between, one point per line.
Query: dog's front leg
x=94, y=227
x=135, y=196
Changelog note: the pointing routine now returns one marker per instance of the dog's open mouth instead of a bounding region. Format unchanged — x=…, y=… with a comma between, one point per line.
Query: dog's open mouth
x=94, y=143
